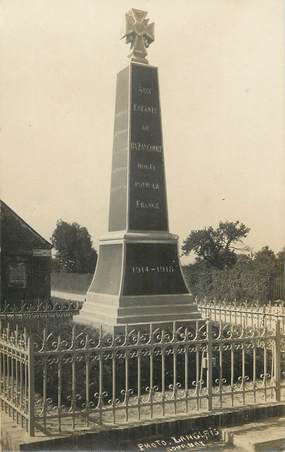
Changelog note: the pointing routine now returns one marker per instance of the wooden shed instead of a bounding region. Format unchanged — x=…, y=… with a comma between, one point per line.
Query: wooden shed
x=25, y=261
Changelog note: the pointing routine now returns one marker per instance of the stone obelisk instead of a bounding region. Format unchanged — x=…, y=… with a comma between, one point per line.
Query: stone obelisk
x=138, y=276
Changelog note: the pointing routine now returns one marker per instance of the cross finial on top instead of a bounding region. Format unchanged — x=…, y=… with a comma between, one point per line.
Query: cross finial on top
x=139, y=33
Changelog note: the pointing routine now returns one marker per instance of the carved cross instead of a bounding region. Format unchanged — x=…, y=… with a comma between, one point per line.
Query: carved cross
x=139, y=33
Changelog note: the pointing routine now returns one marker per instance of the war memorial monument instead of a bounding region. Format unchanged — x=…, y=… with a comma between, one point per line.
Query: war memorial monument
x=159, y=382
x=138, y=276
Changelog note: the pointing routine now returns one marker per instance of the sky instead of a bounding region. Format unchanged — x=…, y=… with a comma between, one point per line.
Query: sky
x=221, y=73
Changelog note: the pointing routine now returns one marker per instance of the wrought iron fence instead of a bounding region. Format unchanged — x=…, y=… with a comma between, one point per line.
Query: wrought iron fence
x=246, y=314
x=81, y=380
x=34, y=317
x=17, y=377
x=39, y=310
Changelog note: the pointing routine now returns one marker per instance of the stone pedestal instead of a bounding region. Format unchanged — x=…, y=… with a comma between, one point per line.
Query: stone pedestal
x=138, y=276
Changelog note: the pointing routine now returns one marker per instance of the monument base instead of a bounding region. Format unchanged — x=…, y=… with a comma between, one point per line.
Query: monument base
x=107, y=310
x=138, y=279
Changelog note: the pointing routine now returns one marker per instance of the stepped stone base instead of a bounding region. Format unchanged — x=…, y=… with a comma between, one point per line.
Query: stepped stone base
x=108, y=310
x=138, y=279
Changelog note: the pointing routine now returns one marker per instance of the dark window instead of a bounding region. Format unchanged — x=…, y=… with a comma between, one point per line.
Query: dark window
x=17, y=275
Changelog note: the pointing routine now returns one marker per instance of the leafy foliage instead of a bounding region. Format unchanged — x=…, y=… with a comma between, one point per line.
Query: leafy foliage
x=74, y=250
x=257, y=277
x=217, y=247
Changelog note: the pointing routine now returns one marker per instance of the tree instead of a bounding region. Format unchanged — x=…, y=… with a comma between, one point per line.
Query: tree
x=217, y=247
x=279, y=284
x=74, y=250
x=280, y=262
x=265, y=263
x=265, y=260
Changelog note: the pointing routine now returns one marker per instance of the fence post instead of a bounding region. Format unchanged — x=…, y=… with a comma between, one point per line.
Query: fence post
x=277, y=362
x=31, y=388
x=210, y=364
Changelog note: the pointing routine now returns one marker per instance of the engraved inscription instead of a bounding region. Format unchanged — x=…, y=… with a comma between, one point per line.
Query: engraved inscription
x=153, y=268
x=147, y=204
x=145, y=109
x=142, y=90
x=146, y=166
x=147, y=195
x=137, y=146
x=145, y=127
x=147, y=185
